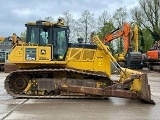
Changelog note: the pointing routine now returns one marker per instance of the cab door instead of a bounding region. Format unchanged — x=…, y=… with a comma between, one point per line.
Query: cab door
x=60, y=43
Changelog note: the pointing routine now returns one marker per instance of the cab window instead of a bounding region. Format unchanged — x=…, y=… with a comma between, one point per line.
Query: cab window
x=39, y=36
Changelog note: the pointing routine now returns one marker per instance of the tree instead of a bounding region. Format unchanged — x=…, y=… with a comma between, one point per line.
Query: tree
x=142, y=41
x=119, y=17
x=105, y=25
x=147, y=38
x=70, y=22
x=49, y=18
x=85, y=25
x=23, y=35
x=148, y=16
x=68, y=18
x=106, y=29
x=103, y=19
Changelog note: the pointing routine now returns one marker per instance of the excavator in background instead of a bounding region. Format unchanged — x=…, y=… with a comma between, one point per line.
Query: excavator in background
x=152, y=58
x=51, y=67
x=6, y=45
x=129, y=58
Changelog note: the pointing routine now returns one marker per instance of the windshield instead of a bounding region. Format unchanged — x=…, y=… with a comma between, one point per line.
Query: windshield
x=39, y=35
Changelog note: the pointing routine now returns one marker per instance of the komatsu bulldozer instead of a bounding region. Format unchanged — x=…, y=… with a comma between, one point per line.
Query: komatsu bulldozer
x=51, y=67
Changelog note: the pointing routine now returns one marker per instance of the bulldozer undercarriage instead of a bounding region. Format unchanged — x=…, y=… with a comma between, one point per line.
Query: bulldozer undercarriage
x=69, y=83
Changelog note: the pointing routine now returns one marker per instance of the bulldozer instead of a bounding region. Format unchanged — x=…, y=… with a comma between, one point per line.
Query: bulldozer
x=51, y=67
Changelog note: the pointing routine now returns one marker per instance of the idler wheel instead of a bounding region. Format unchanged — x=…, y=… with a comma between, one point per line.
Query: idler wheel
x=19, y=82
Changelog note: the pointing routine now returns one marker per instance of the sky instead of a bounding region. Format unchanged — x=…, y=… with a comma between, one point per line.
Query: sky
x=15, y=13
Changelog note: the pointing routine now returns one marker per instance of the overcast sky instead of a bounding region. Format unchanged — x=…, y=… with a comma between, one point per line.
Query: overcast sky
x=15, y=13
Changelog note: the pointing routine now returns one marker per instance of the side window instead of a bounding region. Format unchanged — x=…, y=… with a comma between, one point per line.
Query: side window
x=2, y=57
x=34, y=35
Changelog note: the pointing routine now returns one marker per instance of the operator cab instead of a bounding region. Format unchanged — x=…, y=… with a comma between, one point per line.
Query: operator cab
x=43, y=33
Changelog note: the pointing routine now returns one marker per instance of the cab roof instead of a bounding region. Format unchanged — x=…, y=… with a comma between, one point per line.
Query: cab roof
x=46, y=23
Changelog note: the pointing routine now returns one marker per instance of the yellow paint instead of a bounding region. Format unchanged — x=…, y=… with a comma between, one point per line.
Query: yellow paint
x=120, y=57
x=135, y=38
x=1, y=39
x=78, y=58
x=136, y=85
x=98, y=61
x=28, y=87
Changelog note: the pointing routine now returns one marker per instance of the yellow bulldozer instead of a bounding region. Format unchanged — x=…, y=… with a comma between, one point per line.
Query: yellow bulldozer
x=51, y=67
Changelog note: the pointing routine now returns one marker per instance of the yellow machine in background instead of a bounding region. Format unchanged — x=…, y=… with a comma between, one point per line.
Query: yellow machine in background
x=51, y=67
x=5, y=47
x=1, y=39
x=135, y=38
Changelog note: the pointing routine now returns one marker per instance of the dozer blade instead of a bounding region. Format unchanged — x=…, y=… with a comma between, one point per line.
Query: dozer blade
x=115, y=90
x=145, y=94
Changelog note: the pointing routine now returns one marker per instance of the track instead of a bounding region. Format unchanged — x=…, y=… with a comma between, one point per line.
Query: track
x=29, y=88
x=154, y=67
